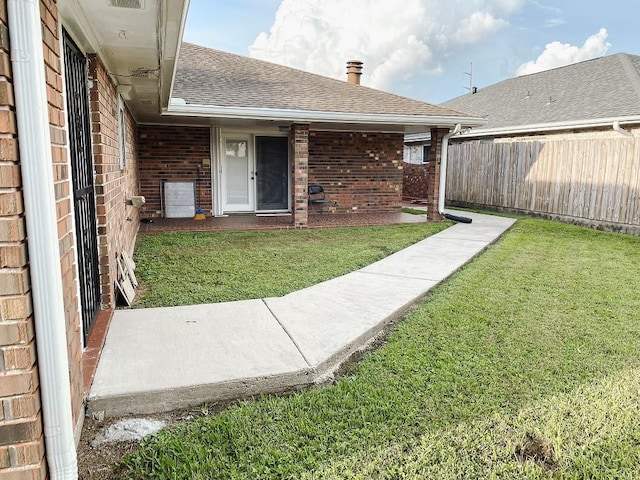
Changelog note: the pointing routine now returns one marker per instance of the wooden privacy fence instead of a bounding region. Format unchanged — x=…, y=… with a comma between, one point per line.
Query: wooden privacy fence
x=594, y=181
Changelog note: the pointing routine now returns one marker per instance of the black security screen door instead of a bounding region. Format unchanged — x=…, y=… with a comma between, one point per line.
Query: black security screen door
x=272, y=173
x=82, y=181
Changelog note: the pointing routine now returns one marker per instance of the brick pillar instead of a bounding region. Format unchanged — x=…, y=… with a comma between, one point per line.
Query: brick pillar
x=433, y=173
x=300, y=154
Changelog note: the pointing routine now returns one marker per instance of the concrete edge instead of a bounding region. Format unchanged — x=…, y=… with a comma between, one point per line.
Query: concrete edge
x=149, y=402
x=326, y=370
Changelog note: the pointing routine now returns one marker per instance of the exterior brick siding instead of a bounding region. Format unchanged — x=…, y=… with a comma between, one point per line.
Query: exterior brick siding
x=174, y=154
x=21, y=428
x=114, y=184
x=414, y=182
x=361, y=171
x=299, y=155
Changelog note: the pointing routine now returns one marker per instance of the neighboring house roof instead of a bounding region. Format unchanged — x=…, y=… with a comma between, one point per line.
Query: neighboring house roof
x=212, y=82
x=579, y=95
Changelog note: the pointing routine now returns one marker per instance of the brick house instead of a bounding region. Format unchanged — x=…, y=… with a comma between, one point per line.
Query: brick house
x=90, y=119
x=252, y=135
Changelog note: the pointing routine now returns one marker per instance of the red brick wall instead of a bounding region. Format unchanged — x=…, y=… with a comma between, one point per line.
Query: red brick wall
x=176, y=154
x=21, y=440
x=21, y=430
x=117, y=221
x=414, y=182
x=361, y=171
x=299, y=155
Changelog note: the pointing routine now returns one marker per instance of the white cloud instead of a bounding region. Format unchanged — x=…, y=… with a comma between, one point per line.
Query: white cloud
x=558, y=54
x=478, y=26
x=397, y=41
x=554, y=22
x=549, y=8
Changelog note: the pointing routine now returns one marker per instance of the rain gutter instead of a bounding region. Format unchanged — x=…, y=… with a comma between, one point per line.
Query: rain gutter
x=443, y=167
x=313, y=116
x=551, y=127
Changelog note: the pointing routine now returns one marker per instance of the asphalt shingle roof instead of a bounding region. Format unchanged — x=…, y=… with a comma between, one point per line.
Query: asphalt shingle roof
x=210, y=77
x=605, y=87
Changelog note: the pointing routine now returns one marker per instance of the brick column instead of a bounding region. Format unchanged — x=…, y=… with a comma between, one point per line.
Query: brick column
x=433, y=173
x=299, y=152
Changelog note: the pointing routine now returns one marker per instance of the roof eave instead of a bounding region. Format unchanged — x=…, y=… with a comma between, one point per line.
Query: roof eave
x=174, y=16
x=309, y=116
x=550, y=127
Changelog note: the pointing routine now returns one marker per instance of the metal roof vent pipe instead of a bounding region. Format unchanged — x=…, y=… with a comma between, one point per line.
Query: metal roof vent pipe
x=354, y=70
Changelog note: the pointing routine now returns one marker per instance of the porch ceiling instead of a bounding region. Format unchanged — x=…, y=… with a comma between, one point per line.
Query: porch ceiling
x=137, y=41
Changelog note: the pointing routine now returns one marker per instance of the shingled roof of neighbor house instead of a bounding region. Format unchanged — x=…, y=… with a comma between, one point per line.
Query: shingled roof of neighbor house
x=581, y=93
x=207, y=77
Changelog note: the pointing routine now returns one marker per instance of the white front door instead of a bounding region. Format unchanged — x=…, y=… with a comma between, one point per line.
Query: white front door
x=238, y=174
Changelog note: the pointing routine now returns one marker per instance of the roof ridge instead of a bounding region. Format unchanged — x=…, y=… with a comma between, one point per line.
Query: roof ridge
x=631, y=72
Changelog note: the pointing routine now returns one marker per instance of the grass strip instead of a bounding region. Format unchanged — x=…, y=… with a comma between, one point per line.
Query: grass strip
x=414, y=211
x=184, y=268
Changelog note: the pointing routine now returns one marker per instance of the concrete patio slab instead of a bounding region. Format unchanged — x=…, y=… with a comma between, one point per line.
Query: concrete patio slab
x=433, y=259
x=165, y=358
x=439, y=256
x=330, y=319
x=151, y=350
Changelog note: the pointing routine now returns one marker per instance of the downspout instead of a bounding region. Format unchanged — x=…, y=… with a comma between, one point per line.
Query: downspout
x=616, y=126
x=443, y=176
x=36, y=160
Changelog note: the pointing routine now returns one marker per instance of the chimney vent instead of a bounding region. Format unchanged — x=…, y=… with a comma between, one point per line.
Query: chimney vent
x=354, y=70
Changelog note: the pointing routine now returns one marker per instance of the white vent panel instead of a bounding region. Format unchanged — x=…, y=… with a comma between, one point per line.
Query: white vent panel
x=136, y=4
x=179, y=199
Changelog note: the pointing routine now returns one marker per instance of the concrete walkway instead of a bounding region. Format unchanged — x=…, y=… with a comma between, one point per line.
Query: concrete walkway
x=159, y=359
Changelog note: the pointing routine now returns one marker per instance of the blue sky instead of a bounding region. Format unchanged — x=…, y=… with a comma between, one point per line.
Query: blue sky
x=418, y=48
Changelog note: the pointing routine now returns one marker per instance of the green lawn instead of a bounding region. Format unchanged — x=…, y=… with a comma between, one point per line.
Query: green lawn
x=414, y=211
x=191, y=268
x=525, y=364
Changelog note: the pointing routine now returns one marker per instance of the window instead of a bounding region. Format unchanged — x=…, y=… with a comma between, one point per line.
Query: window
x=425, y=153
x=416, y=153
x=122, y=130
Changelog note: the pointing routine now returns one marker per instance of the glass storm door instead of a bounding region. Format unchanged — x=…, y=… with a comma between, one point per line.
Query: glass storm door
x=272, y=173
x=238, y=176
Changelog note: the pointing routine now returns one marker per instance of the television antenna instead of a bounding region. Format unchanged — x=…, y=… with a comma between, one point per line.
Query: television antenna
x=470, y=73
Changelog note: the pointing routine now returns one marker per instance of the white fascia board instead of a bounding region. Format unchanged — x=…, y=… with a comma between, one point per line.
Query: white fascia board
x=309, y=116
x=170, y=47
x=549, y=127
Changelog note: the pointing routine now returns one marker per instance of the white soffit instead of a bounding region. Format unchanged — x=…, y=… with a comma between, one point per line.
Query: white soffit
x=137, y=41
